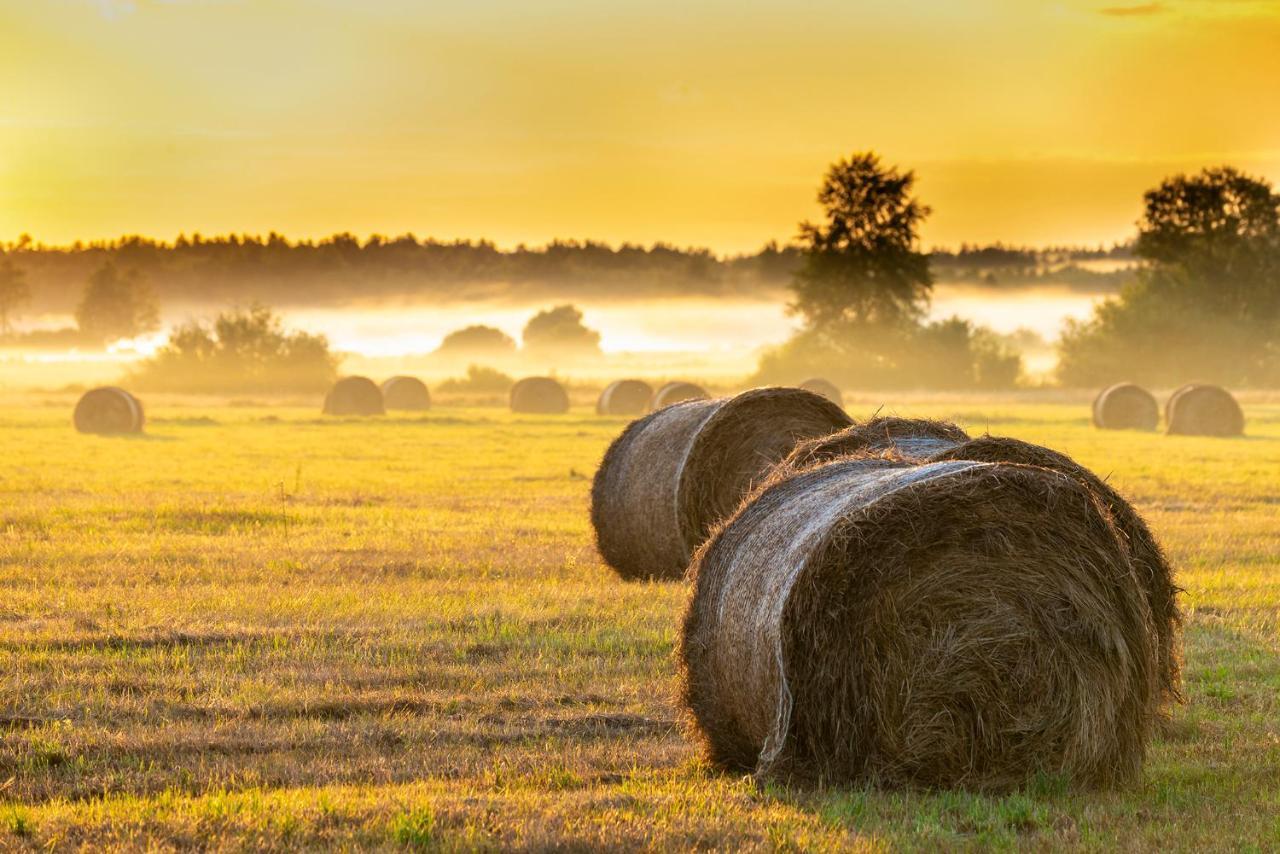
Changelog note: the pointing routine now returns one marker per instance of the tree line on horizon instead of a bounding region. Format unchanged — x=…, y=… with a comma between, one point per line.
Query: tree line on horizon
x=244, y=268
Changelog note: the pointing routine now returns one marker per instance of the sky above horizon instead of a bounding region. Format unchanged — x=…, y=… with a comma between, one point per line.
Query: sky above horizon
x=695, y=123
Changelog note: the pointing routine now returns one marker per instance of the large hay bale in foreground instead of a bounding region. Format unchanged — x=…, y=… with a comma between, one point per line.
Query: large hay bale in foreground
x=408, y=394
x=910, y=438
x=624, y=397
x=1204, y=410
x=673, y=474
x=354, y=396
x=826, y=388
x=1147, y=557
x=947, y=624
x=1125, y=406
x=675, y=393
x=108, y=410
x=539, y=396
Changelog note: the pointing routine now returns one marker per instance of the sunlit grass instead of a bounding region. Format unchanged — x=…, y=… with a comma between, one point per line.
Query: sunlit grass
x=256, y=628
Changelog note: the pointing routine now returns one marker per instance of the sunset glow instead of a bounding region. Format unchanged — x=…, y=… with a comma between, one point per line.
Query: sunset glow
x=706, y=123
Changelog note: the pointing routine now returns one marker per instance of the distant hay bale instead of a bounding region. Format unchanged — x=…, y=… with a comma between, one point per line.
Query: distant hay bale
x=947, y=624
x=624, y=397
x=409, y=394
x=676, y=392
x=912, y=438
x=108, y=410
x=539, y=396
x=354, y=396
x=1204, y=410
x=673, y=474
x=1148, y=559
x=826, y=388
x=1125, y=406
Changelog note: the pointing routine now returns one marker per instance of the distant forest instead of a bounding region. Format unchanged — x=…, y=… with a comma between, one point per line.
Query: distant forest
x=344, y=269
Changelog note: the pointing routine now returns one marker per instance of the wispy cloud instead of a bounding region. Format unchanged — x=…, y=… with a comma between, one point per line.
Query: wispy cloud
x=1143, y=11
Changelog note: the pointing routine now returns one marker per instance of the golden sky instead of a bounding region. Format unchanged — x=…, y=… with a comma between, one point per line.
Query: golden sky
x=706, y=123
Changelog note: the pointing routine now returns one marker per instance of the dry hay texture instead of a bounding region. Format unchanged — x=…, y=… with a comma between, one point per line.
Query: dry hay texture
x=911, y=438
x=826, y=388
x=921, y=440
x=539, y=396
x=624, y=397
x=1204, y=410
x=408, y=394
x=943, y=624
x=676, y=392
x=1125, y=406
x=108, y=410
x=673, y=474
x=354, y=396
x=1148, y=559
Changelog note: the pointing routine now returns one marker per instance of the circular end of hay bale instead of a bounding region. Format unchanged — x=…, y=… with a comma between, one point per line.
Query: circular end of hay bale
x=1204, y=410
x=909, y=438
x=539, y=396
x=952, y=624
x=670, y=476
x=1148, y=559
x=408, y=394
x=826, y=388
x=354, y=396
x=108, y=410
x=624, y=397
x=676, y=392
x=1125, y=406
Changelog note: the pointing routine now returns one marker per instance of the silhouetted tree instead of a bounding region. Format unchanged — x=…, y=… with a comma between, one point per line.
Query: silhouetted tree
x=862, y=265
x=560, y=331
x=117, y=305
x=1207, y=305
x=14, y=292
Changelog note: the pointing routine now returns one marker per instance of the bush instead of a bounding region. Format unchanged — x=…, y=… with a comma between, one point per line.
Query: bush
x=479, y=380
x=242, y=351
x=946, y=354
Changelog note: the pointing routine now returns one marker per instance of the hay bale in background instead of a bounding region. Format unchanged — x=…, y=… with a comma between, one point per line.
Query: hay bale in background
x=409, y=394
x=108, y=410
x=676, y=392
x=1203, y=410
x=539, y=396
x=1147, y=557
x=624, y=397
x=1125, y=406
x=354, y=396
x=673, y=474
x=827, y=389
x=947, y=624
x=912, y=438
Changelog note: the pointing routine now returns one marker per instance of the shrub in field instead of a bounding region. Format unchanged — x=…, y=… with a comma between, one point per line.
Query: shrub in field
x=241, y=351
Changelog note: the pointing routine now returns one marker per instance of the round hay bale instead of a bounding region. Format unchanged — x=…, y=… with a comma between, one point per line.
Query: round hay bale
x=624, y=397
x=354, y=396
x=1145, y=554
x=826, y=388
x=947, y=624
x=676, y=392
x=539, y=396
x=673, y=474
x=406, y=393
x=1204, y=410
x=910, y=438
x=1125, y=406
x=108, y=410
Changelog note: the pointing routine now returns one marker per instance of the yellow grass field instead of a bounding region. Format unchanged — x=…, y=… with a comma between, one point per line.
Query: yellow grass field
x=254, y=628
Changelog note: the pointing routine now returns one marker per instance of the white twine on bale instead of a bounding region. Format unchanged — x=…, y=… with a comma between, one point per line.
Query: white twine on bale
x=821, y=498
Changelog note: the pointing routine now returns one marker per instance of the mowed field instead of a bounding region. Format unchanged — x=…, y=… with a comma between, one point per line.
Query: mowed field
x=254, y=628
